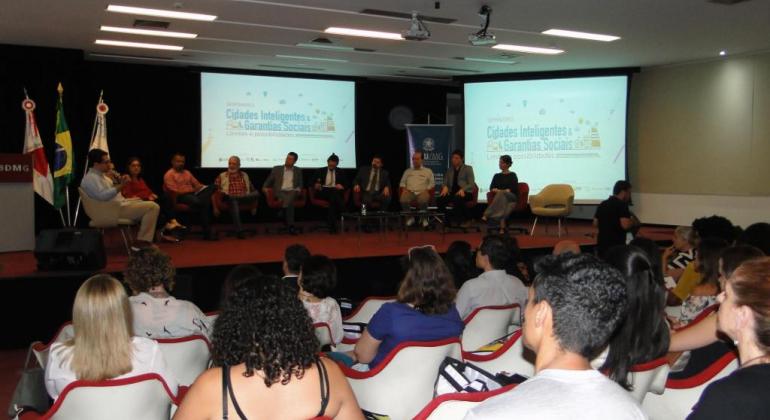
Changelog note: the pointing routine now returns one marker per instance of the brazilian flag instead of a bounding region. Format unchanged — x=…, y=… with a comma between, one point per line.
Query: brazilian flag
x=64, y=165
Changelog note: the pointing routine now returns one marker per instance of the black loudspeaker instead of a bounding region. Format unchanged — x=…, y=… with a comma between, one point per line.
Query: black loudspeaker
x=70, y=249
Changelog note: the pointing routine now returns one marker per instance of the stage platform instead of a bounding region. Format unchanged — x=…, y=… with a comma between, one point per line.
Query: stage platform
x=268, y=248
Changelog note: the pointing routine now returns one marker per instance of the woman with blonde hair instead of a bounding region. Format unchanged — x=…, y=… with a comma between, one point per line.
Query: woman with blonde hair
x=103, y=346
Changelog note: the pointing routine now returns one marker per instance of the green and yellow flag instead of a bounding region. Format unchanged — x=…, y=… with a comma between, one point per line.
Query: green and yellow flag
x=64, y=165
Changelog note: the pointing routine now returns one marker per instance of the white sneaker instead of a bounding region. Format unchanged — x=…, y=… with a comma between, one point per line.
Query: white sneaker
x=424, y=222
x=409, y=221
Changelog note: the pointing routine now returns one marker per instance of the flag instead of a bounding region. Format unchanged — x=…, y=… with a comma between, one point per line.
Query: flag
x=42, y=180
x=100, y=134
x=63, y=167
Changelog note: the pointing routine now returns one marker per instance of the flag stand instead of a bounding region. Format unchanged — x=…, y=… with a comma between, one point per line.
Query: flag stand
x=93, y=133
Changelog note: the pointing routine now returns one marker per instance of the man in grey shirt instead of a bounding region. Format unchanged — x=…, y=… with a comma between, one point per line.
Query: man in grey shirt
x=457, y=190
x=416, y=182
x=99, y=187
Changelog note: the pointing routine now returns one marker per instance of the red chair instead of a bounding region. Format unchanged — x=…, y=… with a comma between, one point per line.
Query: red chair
x=521, y=204
x=321, y=203
x=274, y=203
x=455, y=406
x=221, y=206
x=172, y=198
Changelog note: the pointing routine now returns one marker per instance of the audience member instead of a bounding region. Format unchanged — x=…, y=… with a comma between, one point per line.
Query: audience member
x=643, y=335
x=416, y=182
x=190, y=191
x=613, y=219
x=424, y=310
x=317, y=280
x=293, y=258
x=575, y=304
x=744, y=316
x=238, y=275
x=156, y=314
x=494, y=286
x=103, y=346
x=461, y=262
x=286, y=183
x=565, y=246
x=505, y=186
x=680, y=253
x=457, y=190
x=267, y=363
x=136, y=188
x=705, y=293
x=236, y=188
x=99, y=186
x=757, y=235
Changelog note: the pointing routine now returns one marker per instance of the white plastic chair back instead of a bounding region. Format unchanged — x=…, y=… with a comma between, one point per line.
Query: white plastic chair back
x=366, y=309
x=486, y=324
x=512, y=357
x=40, y=350
x=324, y=334
x=186, y=357
x=649, y=377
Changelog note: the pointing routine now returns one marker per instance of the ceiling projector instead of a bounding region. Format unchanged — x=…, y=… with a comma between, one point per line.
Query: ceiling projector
x=417, y=31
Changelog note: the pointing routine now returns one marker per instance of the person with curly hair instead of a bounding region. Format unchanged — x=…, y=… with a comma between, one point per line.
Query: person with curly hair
x=267, y=364
x=424, y=310
x=317, y=279
x=150, y=276
x=103, y=346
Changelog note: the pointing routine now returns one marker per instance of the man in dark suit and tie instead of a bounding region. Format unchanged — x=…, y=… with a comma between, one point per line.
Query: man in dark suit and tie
x=373, y=182
x=330, y=185
x=459, y=182
x=286, y=182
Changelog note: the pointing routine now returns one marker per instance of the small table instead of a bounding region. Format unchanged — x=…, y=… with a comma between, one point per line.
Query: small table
x=430, y=214
x=382, y=217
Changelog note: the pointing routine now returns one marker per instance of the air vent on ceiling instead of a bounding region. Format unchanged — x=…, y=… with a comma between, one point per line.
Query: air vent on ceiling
x=323, y=42
x=448, y=69
x=727, y=2
x=408, y=16
x=151, y=24
x=275, y=66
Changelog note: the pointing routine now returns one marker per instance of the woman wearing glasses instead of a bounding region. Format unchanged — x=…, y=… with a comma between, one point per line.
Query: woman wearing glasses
x=423, y=311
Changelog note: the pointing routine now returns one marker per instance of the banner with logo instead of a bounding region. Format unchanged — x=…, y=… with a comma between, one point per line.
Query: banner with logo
x=435, y=141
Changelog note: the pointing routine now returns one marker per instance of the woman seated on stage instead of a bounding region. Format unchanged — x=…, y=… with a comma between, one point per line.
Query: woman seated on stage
x=317, y=278
x=150, y=276
x=644, y=335
x=267, y=363
x=103, y=346
x=137, y=188
x=424, y=309
x=744, y=316
x=505, y=186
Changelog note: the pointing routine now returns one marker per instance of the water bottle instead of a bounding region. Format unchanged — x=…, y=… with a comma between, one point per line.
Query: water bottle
x=363, y=209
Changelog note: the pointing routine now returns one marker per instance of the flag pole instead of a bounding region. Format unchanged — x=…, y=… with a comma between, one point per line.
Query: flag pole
x=85, y=167
x=62, y=218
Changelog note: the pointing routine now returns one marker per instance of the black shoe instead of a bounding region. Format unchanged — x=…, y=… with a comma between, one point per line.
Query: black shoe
x=292, y=231
x=241, y=234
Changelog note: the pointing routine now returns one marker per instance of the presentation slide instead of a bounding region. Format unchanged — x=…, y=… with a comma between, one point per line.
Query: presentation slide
x=557, y=131
x=261, y=119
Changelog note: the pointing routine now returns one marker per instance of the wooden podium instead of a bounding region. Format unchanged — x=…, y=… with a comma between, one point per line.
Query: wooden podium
x=17, y=212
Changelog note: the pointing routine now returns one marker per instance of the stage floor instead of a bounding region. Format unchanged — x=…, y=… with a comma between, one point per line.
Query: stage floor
x=268, y=248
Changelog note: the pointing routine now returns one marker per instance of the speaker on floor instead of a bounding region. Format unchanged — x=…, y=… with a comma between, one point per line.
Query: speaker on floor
x=70, y=249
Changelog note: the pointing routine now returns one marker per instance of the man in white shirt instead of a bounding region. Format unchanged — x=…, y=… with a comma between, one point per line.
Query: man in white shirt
x=575, y=304
x=98, y=186
x=416, y=182
x=494, y=286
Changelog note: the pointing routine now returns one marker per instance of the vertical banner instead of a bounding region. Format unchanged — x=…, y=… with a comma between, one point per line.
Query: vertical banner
x=435, y=142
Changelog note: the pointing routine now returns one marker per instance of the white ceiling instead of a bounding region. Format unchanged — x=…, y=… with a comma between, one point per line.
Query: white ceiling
x=249, y=33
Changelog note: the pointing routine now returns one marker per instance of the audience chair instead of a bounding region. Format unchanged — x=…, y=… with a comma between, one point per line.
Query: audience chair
x=186, y=357
x=40, y=350
x=648, y=377
x=455, y=406
x=522, y=204
x=362, y=314
x=274, y=203
x=146, y=397
x=323, y=332
x=680, y=395
x=486, y=324
x=555, y=200
x=104, y=215
x=402, y=383
x=512, y=357
x=211, y=317
x=219, y=204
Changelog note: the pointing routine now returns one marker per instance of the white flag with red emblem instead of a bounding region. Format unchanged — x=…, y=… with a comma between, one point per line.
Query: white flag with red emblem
x=100, y=133
x=42, y=178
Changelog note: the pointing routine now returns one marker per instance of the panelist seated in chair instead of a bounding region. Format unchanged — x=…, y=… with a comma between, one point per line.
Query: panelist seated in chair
x=286, y=182
x=137, y=188
x=505, y=186
x=457, y=190
x=574, y=306
x=330, y=185
x=373, y=184
x=236, y=189
x=99, y=186
x=190, y=191
x=103, y=347
x=416, y=182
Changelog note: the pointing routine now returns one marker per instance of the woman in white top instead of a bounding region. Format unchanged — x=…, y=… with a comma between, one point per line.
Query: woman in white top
x=102, y=347
x=150, y=276
x=317, y=279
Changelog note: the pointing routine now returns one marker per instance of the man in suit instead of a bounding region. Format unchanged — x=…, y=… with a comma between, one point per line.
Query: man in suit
x=286, y=182
x=330, y=185
x=457, y=190
x=373, y=183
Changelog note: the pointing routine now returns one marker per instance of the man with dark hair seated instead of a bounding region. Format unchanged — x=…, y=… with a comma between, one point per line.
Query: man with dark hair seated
x=293, y=258
x=330, y=184
x=575, y=304
x=457, y=190
x=190, y=191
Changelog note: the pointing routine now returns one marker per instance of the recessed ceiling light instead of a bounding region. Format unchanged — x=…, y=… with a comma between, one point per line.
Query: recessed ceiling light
x=150, y=32
x=159, y=12
x=723, y=53
x=581, y=35
x=489, y=60
x=324, y=46
x=138, y=45
x=300, y=57
x=364, y=33
x=526, y=49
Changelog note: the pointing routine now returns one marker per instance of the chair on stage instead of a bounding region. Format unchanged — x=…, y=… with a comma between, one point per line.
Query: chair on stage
x=555, y=200
x=104, y=215
x=222, y=206
x=186, y=357
x=274, y=203
x=522, y=204
x=469, y=204
x=324, y=204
